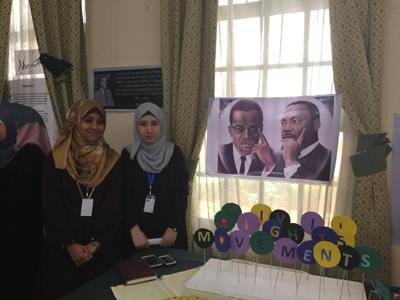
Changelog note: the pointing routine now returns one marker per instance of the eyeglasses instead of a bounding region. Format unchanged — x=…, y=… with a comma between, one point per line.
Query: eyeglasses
x=239, y=129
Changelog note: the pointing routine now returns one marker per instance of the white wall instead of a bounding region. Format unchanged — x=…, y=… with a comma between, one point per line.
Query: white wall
x=122, y=33
x=391, y=98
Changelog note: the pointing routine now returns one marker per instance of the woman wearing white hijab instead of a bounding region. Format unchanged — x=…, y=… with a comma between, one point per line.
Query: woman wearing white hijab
x=156, y=183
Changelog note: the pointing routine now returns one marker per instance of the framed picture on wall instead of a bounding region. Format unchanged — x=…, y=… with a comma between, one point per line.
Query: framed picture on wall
x=126, y=88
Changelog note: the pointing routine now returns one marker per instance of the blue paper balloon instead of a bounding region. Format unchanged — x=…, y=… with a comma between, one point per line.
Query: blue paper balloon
x=324, y=234
x=273, y=228
x=305, y=252
x=222, y=240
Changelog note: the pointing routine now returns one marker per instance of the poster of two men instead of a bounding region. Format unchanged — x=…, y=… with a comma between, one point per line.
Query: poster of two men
x=292, y=138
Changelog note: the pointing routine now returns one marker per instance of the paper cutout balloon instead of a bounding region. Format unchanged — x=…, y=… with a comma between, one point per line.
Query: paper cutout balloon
x=326, y=254
x=280, y=215
x=347, y=240
x=305, y=252
x=261, y=243
x=225, y=220
x=222, y=240
x=233, y=209
x=324, y=234
x=370, y=260
x=285, y=250
x=240, y=242
x=311, y=220
x=294, y=232
x=248, y=222
x=344, y=225
x=273, y=228
x=262, y=211
x=203, y=238
x=350, y=258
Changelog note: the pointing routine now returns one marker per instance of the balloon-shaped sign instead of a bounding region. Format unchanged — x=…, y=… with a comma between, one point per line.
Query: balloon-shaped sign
x=285, y=250
x=305, y=252
x=203, y=238
x=349, y=258
x=311, y=220
x=344, y=225
x=233, y=209
x=240, y=242
x=348, y=240
x=294, y=232
x=222, y=240
x=281, y=216
x=262, y=211
x=326, y=254
x=273, y=228
x=224, y=219
x=370, y=260
x=261, y=243
x=248, y=222
x=324, y=234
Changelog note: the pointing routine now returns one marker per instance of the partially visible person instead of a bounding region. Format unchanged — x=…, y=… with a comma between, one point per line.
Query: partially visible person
x=249, y=152
x=156, y=183
x=82, y=185
x=23, y=145
x=103, y=95
x=303, y=156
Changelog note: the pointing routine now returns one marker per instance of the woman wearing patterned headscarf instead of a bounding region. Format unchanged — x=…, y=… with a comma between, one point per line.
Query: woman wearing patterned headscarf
x=156, y=183
x=23, y=145
x=81, y=199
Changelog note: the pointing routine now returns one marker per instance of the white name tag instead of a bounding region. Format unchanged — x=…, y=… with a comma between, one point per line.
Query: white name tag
x=87, y=207
x=149, y=204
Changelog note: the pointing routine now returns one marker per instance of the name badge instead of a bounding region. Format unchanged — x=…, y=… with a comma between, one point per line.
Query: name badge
x=149, y=204
x=87, y=207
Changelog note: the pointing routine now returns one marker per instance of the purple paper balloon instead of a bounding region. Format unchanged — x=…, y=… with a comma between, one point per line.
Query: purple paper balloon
x=310, y=220
x=240, y=242
x=285, y=250
x=248, y=222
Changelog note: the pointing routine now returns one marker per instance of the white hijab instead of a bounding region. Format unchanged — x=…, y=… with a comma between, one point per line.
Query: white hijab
x=153, y=158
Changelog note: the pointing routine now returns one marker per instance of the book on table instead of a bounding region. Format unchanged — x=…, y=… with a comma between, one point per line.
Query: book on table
x=135, y=270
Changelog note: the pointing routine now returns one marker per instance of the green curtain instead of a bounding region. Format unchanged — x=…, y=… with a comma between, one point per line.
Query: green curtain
x=357, y=34
x=188, y=40
x=59, y=32
x=5, y=12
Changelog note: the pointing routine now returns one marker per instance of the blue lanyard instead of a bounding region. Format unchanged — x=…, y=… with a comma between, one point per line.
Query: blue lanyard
x=150, y=180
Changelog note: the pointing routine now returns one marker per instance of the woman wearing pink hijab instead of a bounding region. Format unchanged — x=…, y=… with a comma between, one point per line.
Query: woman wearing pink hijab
x=23, y=145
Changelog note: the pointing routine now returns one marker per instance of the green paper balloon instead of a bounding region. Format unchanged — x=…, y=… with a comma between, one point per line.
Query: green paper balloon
x=233, y=209
x=370, y=260
x=224, y=219
x=261, y=243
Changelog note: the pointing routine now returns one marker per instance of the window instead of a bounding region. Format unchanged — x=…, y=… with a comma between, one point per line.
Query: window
x=270, y=49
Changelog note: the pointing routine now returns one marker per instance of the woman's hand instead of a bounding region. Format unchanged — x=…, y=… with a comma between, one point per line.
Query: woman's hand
x=92, y=246
x=79, y=254
x=139, y=239
x=168, y=238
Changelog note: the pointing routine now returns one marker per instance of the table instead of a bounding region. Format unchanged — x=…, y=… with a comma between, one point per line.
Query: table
x=100, y=287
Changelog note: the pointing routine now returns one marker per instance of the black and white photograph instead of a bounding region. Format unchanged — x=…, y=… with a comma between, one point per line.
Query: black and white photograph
x=126, y=88
x=291, y=138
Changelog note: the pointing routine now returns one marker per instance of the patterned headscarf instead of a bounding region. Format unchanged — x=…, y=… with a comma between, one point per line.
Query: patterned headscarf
x=154, y=157
x=86, y=162
x=24, y=126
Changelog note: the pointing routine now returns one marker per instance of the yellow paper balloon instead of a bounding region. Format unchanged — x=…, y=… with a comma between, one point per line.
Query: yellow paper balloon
x=262, y=211
x=346, y=239
x=326, y=254
x=344, y=225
